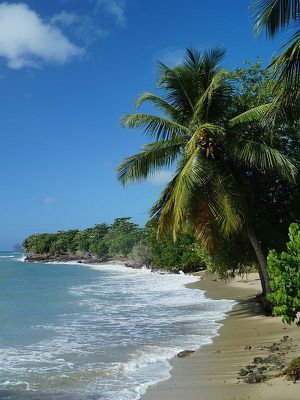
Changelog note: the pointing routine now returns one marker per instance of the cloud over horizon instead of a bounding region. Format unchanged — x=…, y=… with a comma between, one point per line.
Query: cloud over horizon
x=26, y=40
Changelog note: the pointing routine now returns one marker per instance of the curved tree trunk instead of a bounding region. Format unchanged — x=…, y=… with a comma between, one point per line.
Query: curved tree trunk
x=262, y=270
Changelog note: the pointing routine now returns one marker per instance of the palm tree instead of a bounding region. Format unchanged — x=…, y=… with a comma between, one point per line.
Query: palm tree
x=195, y=131
x=273, y=16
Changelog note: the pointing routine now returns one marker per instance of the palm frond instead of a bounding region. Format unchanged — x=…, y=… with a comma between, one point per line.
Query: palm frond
x=208, y=66
x=216, y=210
x=255, y=114
x=261, y=156
x=286, y=69
x=212, y=59
x=179, y=84
x=160, y=103
x=217, y=88
x=158, y=127
x=173, y=207
x=225, y=199
x=152, y=157
x=274, y=15
x=193, y=58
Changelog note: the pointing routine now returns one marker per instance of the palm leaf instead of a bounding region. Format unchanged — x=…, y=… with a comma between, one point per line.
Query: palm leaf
x=160, y=103
x=261, y=156
x=159, y=128
x=255, y=114
x=206, y=100
x=152, y=157
x=287, y=69
x=173, y=207
x=178, y=81
x=274, y=14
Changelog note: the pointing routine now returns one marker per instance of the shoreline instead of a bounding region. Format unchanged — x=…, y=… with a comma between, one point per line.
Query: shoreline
x=47, y=259
x=212, y=372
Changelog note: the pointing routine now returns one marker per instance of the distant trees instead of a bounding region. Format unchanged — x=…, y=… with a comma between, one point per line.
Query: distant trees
x=122, y=236
x=126, y=240
x=100, y=240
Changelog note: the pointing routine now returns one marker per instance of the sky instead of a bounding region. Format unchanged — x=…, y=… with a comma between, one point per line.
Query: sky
x=69, y=70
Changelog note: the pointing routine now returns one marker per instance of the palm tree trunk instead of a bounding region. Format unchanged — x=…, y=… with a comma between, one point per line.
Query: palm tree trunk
x=262, y=269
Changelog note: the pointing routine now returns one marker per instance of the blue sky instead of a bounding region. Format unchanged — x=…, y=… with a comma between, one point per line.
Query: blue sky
x=69, y=69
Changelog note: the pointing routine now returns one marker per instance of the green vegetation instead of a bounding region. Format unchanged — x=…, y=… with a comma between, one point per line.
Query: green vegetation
x=234, y=192
x=102, y=240
x=232, y=140
x=227, y=164
x=185, y=254
x=293, y=370
x=284, y=271
x=273, y=16
x=122, y=240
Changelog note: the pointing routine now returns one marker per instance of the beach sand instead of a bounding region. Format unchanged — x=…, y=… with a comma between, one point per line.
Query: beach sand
x=211, y=372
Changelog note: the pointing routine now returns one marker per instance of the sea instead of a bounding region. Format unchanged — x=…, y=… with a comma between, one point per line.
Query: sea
x=95, y=332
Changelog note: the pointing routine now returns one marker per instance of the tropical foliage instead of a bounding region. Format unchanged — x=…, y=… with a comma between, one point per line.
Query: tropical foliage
x=102, y=240
x=276, y=199
x=274, y=16
x=126, y=240
x=201, y=131
x=284, y=270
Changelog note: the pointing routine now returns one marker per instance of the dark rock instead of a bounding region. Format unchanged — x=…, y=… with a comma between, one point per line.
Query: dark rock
x=258, y=360
x=255, y=378
x=193, y=268
x=272, y=359
x=185, y=353
x=244, y=372
x=263, y=368
x=248, y=347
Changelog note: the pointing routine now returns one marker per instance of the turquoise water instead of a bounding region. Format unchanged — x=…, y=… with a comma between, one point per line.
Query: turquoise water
x=71, y=331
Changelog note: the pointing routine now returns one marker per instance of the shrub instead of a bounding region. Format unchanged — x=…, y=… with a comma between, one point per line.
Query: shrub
x=284, y=271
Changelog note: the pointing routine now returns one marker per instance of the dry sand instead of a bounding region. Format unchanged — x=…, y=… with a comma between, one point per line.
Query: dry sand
x=211, y=372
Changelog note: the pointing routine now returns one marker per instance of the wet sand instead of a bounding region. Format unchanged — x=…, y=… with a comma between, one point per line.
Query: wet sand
x=211, y=373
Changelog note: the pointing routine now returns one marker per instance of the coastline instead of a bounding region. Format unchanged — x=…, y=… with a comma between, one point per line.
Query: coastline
x=46, y=259
x=211, y=373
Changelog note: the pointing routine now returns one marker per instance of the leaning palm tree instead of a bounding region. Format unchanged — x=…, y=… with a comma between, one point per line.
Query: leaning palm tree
x=196, y=133
x=273, y=16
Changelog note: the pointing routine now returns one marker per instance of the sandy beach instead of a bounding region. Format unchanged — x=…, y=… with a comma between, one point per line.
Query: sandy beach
x=212, y=372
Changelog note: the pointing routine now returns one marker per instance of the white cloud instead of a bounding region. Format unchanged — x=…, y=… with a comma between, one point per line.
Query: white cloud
x=116, y=8
x=49, y=200
x=80, y=26
x=161, y=178
x=27, y=41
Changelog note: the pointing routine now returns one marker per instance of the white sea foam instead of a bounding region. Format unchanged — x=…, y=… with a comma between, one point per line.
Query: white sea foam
x=126, y=326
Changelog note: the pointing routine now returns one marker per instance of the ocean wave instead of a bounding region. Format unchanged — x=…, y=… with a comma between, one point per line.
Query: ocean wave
x=7, y=256
x=125, y=327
